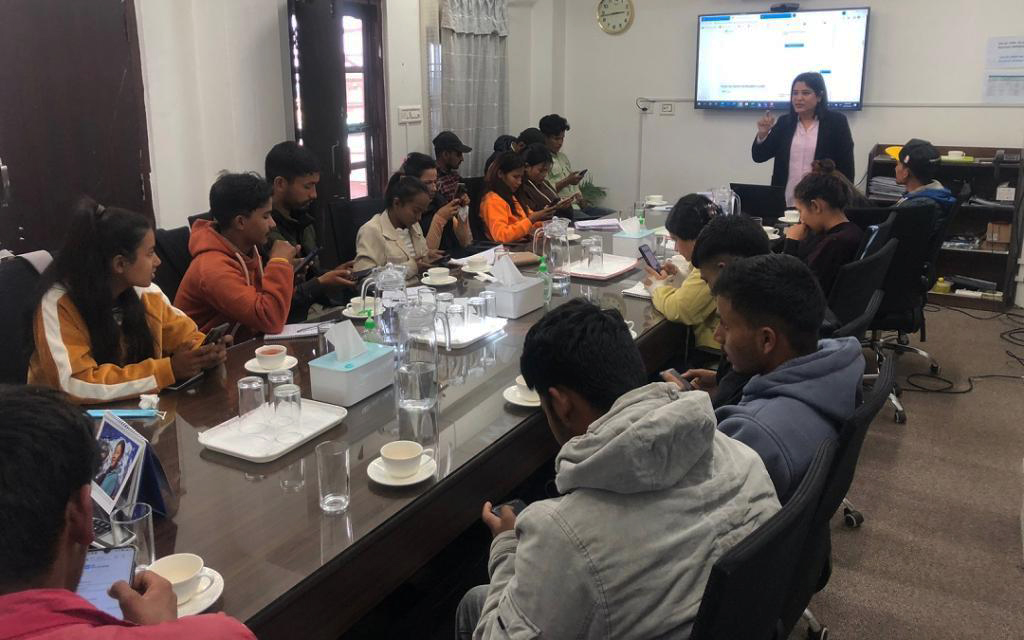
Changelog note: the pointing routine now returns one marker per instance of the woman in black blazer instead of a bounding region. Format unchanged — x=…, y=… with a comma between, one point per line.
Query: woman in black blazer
x=808, y=107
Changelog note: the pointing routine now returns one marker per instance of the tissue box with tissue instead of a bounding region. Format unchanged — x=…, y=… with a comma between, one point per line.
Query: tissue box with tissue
x=353, y=371
x=515, y=295
x=627, y=242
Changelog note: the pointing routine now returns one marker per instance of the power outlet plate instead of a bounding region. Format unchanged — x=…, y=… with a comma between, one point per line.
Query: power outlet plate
x=667, y=109
x=410, y=115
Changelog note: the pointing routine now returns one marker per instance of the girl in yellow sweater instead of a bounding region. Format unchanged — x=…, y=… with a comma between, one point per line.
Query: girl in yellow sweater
x=679, y=293
x=102, y=330
x=507, y=220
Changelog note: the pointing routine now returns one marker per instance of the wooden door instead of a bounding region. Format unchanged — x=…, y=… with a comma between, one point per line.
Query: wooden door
x=72, y=115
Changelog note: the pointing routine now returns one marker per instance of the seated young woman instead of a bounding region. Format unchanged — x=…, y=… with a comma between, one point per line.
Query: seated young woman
x=682, y=295
x=821, y=196
x=102, y=331
x=444, y=227
x=536, y=192
x=394, y=235
x=505, y=217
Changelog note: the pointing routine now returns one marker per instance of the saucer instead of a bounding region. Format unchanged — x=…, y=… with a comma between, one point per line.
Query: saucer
x=486, y=269
x=253, y=366
x=655, y=203
x=203, y=601
x=349, y=313
x=447, y=280
x=573, y=237
x=790, y=220
x=379, y=474
x=512, y=396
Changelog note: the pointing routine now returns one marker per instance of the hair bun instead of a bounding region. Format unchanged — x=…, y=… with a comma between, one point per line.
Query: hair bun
x=825, y=166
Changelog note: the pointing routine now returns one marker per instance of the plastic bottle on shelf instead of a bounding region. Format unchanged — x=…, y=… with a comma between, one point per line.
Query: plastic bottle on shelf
x=542, y=273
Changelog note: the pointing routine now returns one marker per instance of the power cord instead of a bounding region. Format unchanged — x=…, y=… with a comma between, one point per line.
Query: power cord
x=949, y=386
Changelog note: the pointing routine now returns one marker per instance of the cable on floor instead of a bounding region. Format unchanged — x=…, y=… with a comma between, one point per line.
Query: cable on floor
x=948, y=386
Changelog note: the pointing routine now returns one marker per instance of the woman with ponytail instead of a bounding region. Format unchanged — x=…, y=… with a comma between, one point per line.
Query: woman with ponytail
x=678, y=291
x=507, y=220
x=394, y=235
x=821, y=196
x=102, y=330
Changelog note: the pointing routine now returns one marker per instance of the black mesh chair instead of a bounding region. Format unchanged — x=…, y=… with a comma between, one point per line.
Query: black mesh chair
x=19, y=279
x=876, y=236
x=747, y=586
x=814, y=566
x=857, y=293
x=172, y=249
x=346, y=218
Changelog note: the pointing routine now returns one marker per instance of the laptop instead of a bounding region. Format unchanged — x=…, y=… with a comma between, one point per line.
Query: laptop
x=761, y=201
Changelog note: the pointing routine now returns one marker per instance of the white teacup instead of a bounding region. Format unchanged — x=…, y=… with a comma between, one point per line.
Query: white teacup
x=525, y=392
x=655, y=199
x=185, y=573
x=271, y=356
x=477, y=263
x=791, y=215
x=436, y=274
x=401, y=458
x=359, y=303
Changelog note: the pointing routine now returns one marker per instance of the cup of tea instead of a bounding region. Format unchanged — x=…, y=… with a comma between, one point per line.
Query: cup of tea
x=271, y=356
x=401, y=458
x=525, y=392
x=436, y=274
x=477, y=263
x=185, y=573
x=656, y=199
x=360, y=303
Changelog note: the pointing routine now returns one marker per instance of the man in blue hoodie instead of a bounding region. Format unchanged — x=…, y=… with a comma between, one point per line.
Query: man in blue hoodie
x=915, y=169
x=651, y=495
x=802, y=389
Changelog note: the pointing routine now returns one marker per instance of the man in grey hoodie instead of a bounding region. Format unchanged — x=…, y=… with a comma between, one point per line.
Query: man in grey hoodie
x=802, y=389
x=651, y=495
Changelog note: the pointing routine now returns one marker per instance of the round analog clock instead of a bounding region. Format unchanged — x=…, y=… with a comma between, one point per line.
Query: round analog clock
x=615, y=16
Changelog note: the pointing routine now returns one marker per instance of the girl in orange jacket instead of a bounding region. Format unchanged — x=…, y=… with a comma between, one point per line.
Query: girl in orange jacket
x=102, y=331
x=507, y=220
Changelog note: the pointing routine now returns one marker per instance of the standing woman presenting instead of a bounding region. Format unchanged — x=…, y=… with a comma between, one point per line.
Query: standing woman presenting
x=809, y=132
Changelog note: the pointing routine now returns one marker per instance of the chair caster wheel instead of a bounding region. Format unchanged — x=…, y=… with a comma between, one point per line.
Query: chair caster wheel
x=900, y=417
x=935, y=369
x=818, y=635
x=852, y=518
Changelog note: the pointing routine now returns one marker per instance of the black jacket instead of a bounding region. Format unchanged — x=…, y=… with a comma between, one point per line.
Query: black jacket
x=835, y=142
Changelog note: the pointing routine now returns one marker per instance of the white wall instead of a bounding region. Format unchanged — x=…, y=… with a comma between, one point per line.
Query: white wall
x=404, y=68
x=921, y=52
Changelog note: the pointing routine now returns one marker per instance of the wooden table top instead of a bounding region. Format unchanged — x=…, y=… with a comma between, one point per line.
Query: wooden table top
x=292, y=571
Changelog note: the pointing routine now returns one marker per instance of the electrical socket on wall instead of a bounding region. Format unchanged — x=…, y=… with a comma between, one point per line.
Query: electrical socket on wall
x=667, y=109
x=410, y=115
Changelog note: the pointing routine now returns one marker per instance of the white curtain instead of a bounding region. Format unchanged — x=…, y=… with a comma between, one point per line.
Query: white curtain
x=473, y=76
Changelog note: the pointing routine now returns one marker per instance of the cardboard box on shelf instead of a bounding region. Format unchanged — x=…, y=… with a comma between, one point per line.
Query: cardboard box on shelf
x=998, y=232
x=995, y=247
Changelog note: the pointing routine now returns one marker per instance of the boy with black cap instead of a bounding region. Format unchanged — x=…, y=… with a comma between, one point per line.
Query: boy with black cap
x=915, y=169
x=448, y=150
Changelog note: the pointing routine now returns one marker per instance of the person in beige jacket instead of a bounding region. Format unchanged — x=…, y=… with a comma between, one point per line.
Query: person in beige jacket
x=394, y=235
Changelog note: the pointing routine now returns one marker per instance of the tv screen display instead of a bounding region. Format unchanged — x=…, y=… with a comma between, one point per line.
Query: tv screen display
x=749, y=60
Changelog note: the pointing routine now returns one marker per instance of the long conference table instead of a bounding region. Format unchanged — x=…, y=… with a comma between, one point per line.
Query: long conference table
x=291, y=571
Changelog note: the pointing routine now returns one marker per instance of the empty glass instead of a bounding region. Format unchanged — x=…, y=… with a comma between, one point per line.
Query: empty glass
x=278, y=378
x=444, y=300
x=132, y=525
x=288, y=413
x=293, y=478
x=332, y=475
x=428, y=296
x=456, y=316
x=490, y=304
x=477, y=312
x=251, y=398
x=593, y=253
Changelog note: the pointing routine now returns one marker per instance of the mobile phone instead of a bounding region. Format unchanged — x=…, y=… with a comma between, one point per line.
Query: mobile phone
x=649, y=258
x=671, y=375
x=216, y=334
x=299, y=266
x=517, y=507
x=359, y=275
x=582, y=172
x=461, y=189
x=104, y=567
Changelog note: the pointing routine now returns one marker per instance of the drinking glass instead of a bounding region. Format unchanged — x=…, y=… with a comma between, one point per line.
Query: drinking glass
x=594, y=254
x=416, y=386
x=323, y=345
x=132, y=525
x=277, y=378
x=293, y=478
x=456, y=316
x=490, y=304
x=444, y=300
x=428, y=296
x=251, y=398
x=332, y=475
x=662, y=246
x=288, y=412
x=477, y=311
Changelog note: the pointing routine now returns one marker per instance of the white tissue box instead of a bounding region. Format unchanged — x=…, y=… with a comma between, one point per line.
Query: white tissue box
x=626, y=243
x=519, y=299
x=346, y=382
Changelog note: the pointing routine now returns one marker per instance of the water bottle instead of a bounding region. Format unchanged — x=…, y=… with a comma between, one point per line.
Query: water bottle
x=542, y=272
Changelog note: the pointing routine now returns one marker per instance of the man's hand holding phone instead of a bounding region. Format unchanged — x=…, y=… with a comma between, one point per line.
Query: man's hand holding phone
x=150, y=600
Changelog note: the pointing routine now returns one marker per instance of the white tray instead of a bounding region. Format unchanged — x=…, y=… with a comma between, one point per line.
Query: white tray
x=227, y=437
x=462, y=337
x=613, y=266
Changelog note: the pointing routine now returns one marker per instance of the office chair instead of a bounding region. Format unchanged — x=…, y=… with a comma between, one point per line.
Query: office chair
x=747, y=586
x=19, y=279
x=346, y=218
x=206, y=215
x=857, y=293
x=814, y=565
x=875, y=236
x=475, y=190
x=172, y=249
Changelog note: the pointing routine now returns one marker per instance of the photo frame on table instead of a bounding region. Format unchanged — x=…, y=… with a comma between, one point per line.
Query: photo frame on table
x=122, y=449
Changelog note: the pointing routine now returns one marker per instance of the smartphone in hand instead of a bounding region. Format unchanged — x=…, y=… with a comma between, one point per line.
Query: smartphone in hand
x=671, y=375
x=104, y=567
x=299, y=266
x=649, y=257
x=517, y=507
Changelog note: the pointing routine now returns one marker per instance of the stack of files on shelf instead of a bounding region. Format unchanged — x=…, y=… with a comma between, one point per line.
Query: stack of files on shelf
x=885, y=187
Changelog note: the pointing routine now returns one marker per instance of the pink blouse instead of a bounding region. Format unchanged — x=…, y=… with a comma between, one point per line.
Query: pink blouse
x=801, y=155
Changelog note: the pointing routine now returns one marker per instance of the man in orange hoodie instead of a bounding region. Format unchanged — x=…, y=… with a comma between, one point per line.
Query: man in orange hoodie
x=226, y=281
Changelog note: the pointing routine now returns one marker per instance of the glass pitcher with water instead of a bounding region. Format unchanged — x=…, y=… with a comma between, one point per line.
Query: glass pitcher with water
x=388, y=284
x=416, y=376
x=552, y=242
x=727, y=200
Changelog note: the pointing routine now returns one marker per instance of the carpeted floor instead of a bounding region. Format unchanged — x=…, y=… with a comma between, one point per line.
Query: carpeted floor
x=940, y=552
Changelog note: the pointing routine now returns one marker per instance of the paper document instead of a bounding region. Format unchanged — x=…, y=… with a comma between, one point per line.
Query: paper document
x=599, y=223
x=1004, y=88
x=300, y=330
x=1005, y=52
x=489, y=255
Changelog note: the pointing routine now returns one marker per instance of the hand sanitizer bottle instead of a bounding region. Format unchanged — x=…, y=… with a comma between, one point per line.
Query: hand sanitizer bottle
x=542, y=272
